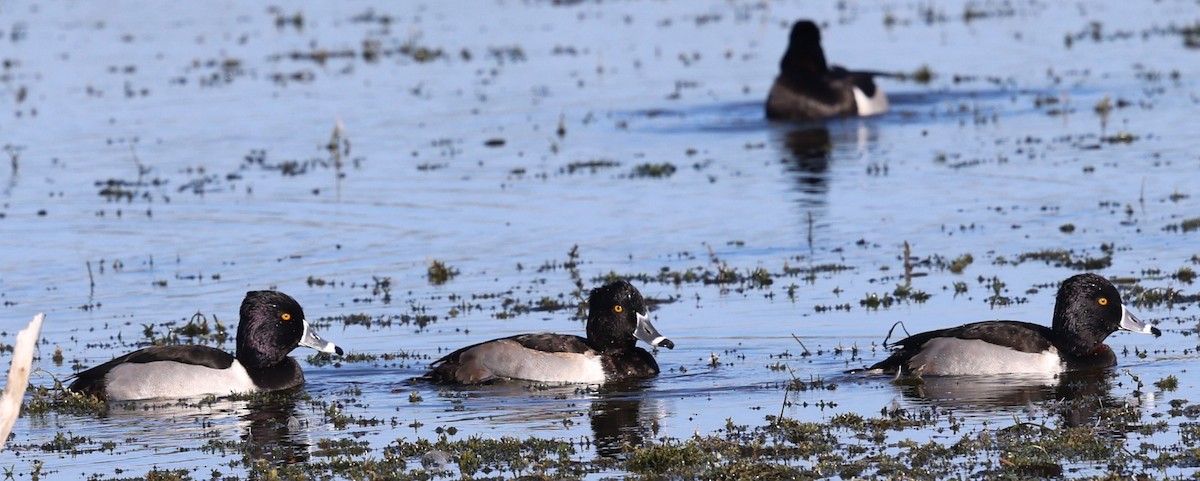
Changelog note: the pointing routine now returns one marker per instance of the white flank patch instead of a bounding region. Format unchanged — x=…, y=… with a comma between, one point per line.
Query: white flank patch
x=953, y=356
x=175, y=380
x=871, y=105
x=519, y=362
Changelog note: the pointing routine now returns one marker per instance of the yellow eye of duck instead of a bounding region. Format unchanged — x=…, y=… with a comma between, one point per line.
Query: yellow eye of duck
x=1103, y=301
x=285, y=316
x=618, y=309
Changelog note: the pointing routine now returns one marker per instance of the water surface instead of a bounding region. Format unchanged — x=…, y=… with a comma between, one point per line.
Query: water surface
x=166, y=160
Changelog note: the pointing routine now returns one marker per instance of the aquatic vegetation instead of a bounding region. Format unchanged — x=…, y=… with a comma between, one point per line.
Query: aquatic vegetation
x=903, y=293
x=1188, y=225
x=195, y=331
x=961, y=262
x=815, y=384
x=922, y=75
x=760, y=277
x=874, y=301
x=439, y=273
x=828, y=308
x=1065, y=258
x=1185, y=275
x=669, y=457
x=998, y=288
x=1119, y=138
x=410, y=49
x=226, y=135
x=1141, y=296
x=42, y=401
x=1169, y=383
x=591, y=166
x=665, y=169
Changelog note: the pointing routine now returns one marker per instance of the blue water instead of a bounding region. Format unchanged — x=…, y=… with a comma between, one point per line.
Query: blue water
x=171, y=102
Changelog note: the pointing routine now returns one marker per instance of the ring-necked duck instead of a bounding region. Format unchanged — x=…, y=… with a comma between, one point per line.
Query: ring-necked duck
x=807, y=88
x=1088, y=308
x=272, y=325
x=616, y=320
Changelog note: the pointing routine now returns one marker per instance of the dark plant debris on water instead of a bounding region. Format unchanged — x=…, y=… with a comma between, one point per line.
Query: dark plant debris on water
x=1070, y=437
x=1107, y=425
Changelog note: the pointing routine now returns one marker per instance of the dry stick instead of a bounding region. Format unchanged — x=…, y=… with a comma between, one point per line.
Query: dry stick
x=788, y=388
x=782, y=406
x=907, y=265
x=13, y=154
x=91, y=281
x=1142, y=196
x=18, y=376
x=336, y=140
x=801, y=344
x=810, y=233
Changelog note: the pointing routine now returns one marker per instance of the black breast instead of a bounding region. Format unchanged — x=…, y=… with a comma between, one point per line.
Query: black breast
x=629, y=363
x=284, y=375
x=1100, y=357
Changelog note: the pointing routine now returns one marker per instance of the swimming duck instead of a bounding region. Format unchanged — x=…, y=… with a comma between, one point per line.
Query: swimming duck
x=808, y=89
x=1088, y=308
x=616, y=321
x=272, y=325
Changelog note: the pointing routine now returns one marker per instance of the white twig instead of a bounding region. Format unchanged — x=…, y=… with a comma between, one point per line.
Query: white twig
x=18, y=376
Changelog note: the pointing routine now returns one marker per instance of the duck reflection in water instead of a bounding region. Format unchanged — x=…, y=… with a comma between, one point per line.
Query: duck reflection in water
x=810, y=148
x=807, y=151
x=623, y=417
x=269, y=426
x=274, y=431
x=621, y=414
x=1074, y=396
x=805, y=154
